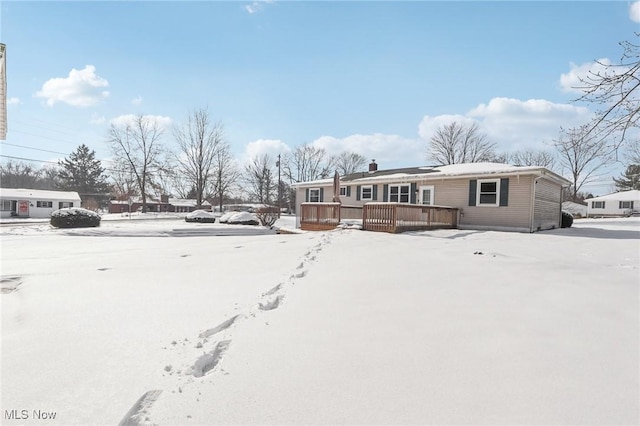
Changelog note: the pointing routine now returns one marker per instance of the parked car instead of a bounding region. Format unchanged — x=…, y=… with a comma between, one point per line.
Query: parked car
x=201, y=216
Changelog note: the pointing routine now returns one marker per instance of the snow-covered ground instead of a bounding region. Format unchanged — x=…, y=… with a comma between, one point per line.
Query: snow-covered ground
x=339, y=327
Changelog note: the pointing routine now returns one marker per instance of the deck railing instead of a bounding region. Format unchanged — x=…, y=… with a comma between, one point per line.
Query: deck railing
x=384, y=217
x=319, y=216
x=395, y=217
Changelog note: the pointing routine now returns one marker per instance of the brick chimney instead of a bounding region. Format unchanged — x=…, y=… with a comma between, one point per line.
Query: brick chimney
x=373, y=166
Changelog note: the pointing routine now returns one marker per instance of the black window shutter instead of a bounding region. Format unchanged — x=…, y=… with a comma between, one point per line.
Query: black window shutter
x=306, y=195
x=348, y=191
x=385, y=193
x=504, y=192
x=414, y=189
x=321, y=195
x=619, y=204
x=375, y=192
x=473, y=184
x=358, y=192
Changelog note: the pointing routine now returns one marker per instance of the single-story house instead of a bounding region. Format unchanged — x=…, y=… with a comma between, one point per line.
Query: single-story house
x=35, y=203
x=577, y=210
x=622, y=203
x=162, y=205
x=488, y=196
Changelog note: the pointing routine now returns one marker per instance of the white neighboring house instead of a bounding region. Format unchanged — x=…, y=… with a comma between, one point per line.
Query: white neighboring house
x=34, y=203
x=622, y=203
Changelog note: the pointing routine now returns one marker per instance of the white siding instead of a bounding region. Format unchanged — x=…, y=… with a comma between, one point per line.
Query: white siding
x=547, y=205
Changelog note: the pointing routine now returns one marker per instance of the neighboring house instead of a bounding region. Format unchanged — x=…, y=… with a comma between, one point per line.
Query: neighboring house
x=577, y=210
x=617, y=204
x=35, y=203
x=154, y=205
x=488, y=195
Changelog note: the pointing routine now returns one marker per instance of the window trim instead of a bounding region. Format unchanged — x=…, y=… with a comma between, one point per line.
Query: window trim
x=370, y=188
x=311, y=190
x=629, y=204
x=400, y=186
x=497, y=192
x=42, y=204
x=343, y=191
x=597, y=204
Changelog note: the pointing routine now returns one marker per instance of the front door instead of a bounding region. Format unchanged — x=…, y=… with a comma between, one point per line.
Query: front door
x=426, y=195
x=23, y=208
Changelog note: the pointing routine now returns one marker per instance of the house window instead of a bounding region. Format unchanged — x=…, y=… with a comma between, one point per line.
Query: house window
x=597, y=204
x=366, y=192
x=488, y=192
x=65, y=204
x=343, y=191
x=399, y=193
x=45, y=204
x=6, y=205
x=626, y=204
x=314, y=195
x=426, y=195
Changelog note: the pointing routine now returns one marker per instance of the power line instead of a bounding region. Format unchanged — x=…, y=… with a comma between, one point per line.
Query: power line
x=27, y=159
x=44, y=137
x=35, y=149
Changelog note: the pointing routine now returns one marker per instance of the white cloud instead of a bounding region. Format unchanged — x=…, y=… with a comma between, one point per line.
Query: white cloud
x=572, y=82
x=13, y=101
x=634, y=11
x=129, y=119
x=514, y=124
x=81, y=88
x=137, y=100
x=389, y=151
x=257, y=6
x=271, y=147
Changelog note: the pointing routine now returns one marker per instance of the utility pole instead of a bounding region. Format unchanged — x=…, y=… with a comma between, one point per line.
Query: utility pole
x=279, y=188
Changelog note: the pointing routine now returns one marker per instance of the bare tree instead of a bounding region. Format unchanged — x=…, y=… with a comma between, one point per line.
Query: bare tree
x=225, y=173
x=136, y=146
x=533, y=158
x=124, y=181
x=582, y=154
x=16, y=174
x=349, y=162
x=307, y=163
x=198, y=140
x=260, y=180
x=616, y=87
x=632, y=154
x=456, y=143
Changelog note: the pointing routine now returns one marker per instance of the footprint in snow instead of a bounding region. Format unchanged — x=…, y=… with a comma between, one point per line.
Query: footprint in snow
x=9, y=284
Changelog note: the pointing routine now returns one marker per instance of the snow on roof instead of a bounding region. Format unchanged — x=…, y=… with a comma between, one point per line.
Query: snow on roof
x=38, y=193
x=453, y=170
x=632, y=195
x=482, y=168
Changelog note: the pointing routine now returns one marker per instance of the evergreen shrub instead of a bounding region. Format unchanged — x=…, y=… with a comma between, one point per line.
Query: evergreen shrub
x=74, y=217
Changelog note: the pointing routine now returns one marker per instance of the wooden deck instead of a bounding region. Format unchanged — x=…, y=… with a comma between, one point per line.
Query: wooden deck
x=396, y=217
x=382, y=217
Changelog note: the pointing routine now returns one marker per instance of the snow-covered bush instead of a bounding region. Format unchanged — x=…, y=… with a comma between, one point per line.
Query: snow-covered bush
x=74, y=217
x=201, y=216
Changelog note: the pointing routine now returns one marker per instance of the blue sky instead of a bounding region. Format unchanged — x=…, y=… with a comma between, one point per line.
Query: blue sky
x=376, y=78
